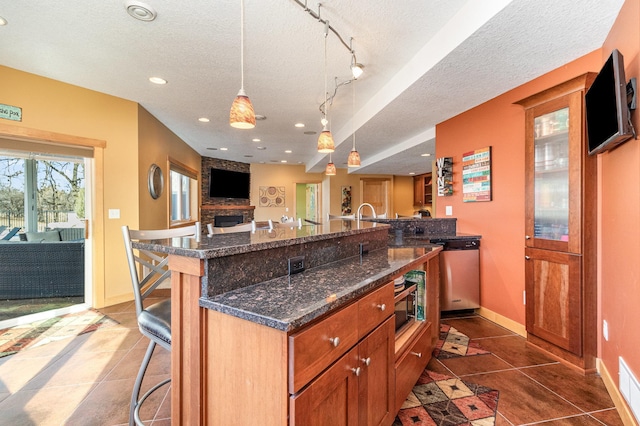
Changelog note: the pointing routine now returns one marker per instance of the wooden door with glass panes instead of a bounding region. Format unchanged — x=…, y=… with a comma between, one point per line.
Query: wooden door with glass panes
x=560, y=224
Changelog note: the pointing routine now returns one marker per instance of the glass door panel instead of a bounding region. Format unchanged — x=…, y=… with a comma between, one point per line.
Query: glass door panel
x=551, y=182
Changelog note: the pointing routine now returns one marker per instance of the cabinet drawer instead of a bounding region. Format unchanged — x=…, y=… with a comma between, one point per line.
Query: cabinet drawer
x=374, y=308
x=411, y=365
x=315, y=348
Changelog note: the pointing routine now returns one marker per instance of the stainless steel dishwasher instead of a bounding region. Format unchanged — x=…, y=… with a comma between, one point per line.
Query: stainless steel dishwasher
x=459, y=274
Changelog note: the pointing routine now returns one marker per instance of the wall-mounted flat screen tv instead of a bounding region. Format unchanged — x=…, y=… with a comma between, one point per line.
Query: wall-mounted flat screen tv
x=228, y=184
x=608, y=116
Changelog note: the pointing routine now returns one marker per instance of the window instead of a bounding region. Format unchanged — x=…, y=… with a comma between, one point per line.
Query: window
x=183, y=186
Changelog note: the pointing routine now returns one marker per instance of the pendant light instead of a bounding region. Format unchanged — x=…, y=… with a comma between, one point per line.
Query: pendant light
x=242, y=115
x=330, y=170
x=354, y=156
x=325, y=140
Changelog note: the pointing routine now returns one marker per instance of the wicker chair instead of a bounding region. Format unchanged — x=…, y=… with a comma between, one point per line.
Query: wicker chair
x=154, y=321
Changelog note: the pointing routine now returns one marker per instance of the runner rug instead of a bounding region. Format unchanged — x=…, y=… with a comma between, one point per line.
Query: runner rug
x=441, y=400
x=20, y=337
x=453, y=344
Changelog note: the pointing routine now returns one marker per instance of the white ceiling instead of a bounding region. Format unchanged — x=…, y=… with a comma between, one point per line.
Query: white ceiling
x=425, y=62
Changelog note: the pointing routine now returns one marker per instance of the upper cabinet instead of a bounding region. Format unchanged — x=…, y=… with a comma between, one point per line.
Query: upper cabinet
x=560, y=224
x=422, y=190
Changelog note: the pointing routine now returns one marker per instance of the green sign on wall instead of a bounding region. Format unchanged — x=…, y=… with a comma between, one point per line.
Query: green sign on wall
x=10, y=112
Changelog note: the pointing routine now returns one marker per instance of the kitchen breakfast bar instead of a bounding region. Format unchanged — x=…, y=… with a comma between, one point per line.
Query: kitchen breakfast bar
x=253, y=344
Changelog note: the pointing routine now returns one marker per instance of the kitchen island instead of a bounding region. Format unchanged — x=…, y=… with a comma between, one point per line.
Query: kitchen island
x=246, y=351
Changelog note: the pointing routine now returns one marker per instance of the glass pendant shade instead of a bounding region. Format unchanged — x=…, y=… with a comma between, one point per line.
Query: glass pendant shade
x=354, y=159
x=325, y=142
x=242, y=115
x=330, y=170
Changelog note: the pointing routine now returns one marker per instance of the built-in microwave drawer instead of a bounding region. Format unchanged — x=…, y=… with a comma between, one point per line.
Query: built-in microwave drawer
x=405, y=307
x=315, y=348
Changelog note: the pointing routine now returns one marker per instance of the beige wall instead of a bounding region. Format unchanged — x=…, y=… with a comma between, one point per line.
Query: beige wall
x=279, y=175
x=402, y=196
x=52, y=106
x=156, y=145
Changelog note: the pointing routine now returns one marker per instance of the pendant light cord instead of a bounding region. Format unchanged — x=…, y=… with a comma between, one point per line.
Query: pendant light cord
x=242, y=45
x=353, y=116
x=326, y=33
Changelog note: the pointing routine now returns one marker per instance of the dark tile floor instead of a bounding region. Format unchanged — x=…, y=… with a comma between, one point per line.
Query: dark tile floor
x=87, y=380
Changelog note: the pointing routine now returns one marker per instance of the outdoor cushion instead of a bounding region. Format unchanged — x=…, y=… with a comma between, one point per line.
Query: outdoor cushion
x=43, y=236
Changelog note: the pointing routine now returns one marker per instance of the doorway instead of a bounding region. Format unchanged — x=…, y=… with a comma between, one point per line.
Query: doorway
x=308, y=204
x=43, y=196
x=376, y=192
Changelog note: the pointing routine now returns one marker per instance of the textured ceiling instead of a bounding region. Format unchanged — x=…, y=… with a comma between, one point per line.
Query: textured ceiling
x=425, y=61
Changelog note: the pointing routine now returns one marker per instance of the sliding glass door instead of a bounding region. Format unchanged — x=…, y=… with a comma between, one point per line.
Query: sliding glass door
x=42, y=244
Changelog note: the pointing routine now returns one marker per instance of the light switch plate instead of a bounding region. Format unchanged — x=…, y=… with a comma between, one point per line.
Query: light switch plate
x=448, y=210
x=114, y=213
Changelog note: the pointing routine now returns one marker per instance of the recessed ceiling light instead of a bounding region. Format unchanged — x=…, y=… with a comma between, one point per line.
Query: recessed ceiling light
x=261, y=148
x=425, y=155
x=261, y=117
x=299, y=124
x=288, y=151
x=157, y=80
x=310, y=132
x=203, y=119
x=224, y=149
x=255, y=140
x=412, y=173
x=140, y=11
x=283, y=161
x=3, y=21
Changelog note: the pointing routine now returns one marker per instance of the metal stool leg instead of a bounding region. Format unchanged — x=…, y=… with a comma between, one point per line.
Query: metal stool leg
x=135, y=403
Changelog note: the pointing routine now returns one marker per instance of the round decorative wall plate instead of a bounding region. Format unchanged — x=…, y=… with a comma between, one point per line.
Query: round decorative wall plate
x=156, y=181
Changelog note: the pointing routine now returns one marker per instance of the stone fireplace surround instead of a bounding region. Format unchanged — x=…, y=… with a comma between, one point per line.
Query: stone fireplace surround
x=212, y=207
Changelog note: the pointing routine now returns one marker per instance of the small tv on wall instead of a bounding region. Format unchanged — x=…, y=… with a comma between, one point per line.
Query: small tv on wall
x=607, y=107
x=228, y=184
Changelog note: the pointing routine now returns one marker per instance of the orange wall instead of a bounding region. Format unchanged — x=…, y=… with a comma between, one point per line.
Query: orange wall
x=619, y=220
x=500, y=124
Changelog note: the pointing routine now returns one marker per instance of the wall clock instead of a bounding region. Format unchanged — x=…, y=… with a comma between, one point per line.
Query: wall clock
x=156, y=181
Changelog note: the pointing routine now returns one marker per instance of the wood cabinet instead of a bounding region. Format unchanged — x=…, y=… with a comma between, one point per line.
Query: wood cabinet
x=560, y=225
x=358, y=387
x=422, y=190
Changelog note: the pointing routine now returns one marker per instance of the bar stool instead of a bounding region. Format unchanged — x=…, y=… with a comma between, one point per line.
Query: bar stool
x=148, y=270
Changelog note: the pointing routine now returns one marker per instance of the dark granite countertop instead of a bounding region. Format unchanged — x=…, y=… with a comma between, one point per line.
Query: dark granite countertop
x=288, y=303
x=221, y=245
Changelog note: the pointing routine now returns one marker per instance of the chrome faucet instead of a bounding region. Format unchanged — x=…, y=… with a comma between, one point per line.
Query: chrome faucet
x=360, y=208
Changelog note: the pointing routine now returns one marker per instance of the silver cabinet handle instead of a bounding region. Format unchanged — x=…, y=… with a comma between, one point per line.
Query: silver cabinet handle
x=527, y=257
x=335, y=341
x=356, y=371
x=418, y=354
x=382, y=307
x=366, y=361
x=527, y=237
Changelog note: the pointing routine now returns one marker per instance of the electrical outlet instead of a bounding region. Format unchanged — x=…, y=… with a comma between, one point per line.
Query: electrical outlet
x=419, y=230
x=364, y=248
x=296, y=265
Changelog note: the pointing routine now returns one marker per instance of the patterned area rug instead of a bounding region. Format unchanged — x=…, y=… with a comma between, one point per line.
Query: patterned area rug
x=453, y=344
x=439, y=400
x=39, y=333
